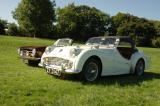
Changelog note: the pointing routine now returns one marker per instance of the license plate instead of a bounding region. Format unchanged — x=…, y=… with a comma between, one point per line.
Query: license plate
x=53, y=71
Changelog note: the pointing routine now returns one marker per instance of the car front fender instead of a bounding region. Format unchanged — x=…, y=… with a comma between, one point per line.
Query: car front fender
x=83, y=57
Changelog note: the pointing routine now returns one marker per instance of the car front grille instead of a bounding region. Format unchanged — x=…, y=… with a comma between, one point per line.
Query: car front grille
x=55, y=61
x=26, y=53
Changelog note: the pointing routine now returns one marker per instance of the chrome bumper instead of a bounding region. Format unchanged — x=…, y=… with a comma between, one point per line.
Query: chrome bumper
x=58, y=70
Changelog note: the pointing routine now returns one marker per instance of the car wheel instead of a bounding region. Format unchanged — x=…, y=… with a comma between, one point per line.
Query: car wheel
x=139, y=69
x=91, y=70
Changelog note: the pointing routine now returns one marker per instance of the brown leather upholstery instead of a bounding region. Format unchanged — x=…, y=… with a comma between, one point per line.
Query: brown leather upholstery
x=126, y=52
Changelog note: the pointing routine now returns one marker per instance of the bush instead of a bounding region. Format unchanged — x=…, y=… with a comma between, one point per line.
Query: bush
x=13, y=30
x=143, y=41
x=156, y=42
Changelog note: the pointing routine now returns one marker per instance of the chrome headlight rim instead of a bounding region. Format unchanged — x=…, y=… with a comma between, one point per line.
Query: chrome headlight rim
x=21, y=53
x=75, y=52
x=48, y=49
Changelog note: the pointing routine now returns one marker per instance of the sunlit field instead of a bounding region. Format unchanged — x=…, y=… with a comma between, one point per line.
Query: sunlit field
x=21, y=84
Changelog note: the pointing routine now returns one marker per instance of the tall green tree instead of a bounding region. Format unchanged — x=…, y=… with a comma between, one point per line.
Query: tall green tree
x=13, y=29
x=35, y=17
x=142, y=30
x=157, y=27
x=156, y=39
x=3, y=25
x=81, y=22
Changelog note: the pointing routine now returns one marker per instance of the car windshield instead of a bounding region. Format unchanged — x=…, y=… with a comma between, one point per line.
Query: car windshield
x=101, y=41
x=63, y=42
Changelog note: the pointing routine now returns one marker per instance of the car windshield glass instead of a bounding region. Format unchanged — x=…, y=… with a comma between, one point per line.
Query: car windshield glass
x=63, y=42
x=101, y=41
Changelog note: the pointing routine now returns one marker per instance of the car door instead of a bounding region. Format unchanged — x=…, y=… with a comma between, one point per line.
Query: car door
x=122, y=55
x=107, y=58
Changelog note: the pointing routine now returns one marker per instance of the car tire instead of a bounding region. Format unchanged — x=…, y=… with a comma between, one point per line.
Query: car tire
x=91, y=70
x=139, y=69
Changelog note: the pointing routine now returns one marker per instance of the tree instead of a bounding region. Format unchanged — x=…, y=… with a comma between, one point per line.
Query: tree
x=2, y=31
x=142, y=30
x=35, y=17
x=156, y=39
x=81, y=22
x=13, y=29
x=3, y=24
x=157, y=27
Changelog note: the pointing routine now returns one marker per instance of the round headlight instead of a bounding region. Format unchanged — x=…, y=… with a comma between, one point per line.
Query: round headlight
x=75, y=52
x=27, y=53
x=33, y=52
x=21, y=53
x=48, y=49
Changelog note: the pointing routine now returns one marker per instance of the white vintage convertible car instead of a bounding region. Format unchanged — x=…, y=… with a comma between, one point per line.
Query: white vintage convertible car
x=100, y=56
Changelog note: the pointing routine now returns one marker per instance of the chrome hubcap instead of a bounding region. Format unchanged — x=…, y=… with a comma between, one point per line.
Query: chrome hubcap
x=91, y=71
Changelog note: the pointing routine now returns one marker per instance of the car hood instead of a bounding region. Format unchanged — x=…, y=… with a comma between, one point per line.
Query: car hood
x=31, y=47
x=62, y=52
x=66, y=51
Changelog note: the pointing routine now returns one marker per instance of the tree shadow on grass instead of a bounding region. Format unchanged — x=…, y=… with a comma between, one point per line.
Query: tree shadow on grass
x=123, y=80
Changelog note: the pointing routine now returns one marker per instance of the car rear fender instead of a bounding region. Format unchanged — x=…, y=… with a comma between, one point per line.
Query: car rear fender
x=137, y=56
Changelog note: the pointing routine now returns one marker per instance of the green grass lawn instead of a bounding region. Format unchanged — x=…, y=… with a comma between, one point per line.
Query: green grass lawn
x=21, y=84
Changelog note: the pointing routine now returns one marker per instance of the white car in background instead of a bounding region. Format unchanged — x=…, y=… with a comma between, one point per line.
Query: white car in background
x=100, y=56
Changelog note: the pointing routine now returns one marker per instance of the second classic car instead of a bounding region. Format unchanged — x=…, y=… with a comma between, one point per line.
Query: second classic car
x=31, y=54
x=100, y=56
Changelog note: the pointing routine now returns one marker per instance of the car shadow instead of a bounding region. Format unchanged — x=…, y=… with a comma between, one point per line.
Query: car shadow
x=122, y=80
x=32, y=65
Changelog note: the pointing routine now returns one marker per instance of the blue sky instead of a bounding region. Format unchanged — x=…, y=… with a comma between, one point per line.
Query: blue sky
x=143, y=8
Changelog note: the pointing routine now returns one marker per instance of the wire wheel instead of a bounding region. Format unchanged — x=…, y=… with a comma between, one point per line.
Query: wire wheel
x=139, y=68
x=91, y=70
